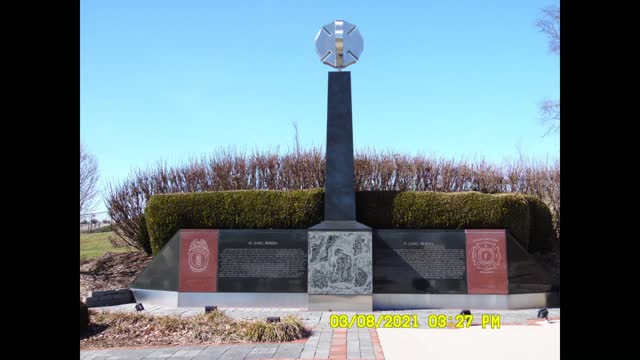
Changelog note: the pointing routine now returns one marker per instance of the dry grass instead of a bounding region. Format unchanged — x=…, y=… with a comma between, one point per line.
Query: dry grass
x=111, y=271
x=135, y=329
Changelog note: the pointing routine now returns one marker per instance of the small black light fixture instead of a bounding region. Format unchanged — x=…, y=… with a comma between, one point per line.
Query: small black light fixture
x=139, y=307
x=465, y=312
x=544, y=314
x=273, y=319
x=208, y=309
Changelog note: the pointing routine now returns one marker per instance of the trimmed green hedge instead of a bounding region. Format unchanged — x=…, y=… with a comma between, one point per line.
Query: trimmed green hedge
x=250, y=209
x=528, y=219
x=541, y=230
x=84, y=317
x=143, y=235
x=462, y=210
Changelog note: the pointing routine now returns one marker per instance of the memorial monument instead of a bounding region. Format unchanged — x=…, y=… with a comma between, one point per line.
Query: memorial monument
x=341, y=264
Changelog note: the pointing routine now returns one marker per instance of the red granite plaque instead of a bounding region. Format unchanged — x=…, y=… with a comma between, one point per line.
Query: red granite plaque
x=487, y=262
x=198, y=260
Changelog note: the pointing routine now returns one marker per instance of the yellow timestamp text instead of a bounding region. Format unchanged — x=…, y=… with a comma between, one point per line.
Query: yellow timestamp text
x=370, y=321
x=462, y=321
x=437, y=321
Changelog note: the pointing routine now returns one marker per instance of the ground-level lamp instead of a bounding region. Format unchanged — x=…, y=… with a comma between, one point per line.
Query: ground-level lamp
x=544, y=314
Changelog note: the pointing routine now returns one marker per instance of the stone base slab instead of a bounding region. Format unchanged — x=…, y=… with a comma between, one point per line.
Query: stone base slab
x=357, y=303
x=459, y=301
x=221, y=299
x=109, y=298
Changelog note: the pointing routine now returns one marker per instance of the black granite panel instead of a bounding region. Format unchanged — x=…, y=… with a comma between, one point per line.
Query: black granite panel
x=163, y=271
x=419, y=262
x=526, y=273
x=262, y=261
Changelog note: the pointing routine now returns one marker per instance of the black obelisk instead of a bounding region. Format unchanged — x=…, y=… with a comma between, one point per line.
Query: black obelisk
x=340, y=196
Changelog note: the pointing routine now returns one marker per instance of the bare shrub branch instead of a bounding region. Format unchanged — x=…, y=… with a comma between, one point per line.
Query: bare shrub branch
x=88, y=180
x=228, y=169
x=549, y=24
x=550, y=115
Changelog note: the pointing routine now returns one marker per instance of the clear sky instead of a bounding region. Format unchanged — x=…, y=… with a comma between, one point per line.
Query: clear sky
x=169, y=80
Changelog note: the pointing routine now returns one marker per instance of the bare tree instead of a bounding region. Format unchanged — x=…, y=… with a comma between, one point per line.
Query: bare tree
x=549, y=24
x=550, y=115
x=88, y=180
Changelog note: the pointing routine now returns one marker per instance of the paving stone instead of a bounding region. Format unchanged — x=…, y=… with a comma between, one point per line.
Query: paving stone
x=287, y=355
x=163, y=353
x=100, y=354
x=186, y=353
x=129, y=354
x=212, y=352
x=138, y=354
x=261, y=352
x=289, y=351
x=216, y=348
x=236, y=352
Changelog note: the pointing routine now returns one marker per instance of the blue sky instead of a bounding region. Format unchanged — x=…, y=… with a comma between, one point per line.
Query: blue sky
x=169, y=80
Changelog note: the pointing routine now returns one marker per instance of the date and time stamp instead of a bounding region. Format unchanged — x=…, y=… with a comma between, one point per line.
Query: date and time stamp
x=435, y=321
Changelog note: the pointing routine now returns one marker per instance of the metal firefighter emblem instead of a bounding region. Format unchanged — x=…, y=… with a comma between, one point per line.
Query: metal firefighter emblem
x=485, y=254
x=198, y=255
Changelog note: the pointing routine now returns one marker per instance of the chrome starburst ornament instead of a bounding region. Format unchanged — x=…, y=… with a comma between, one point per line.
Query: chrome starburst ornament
x=339, y=44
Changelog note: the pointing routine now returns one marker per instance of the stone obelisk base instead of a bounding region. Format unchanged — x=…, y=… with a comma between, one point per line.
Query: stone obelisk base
x=340, y=270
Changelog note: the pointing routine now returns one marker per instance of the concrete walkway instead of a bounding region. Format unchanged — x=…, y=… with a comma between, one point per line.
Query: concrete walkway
x=506, y=343
x=343, y=343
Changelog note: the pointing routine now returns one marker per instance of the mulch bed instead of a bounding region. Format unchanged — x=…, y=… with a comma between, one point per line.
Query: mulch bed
x=120, y=329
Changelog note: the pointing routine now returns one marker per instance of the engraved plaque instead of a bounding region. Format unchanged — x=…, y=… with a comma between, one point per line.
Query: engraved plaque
x=419, y=261
x=262, y=261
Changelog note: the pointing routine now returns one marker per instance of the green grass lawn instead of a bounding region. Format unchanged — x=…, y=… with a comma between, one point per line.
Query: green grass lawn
x=96, y=244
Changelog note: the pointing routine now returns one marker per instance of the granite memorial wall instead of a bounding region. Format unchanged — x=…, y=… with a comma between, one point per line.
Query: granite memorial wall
x=302, y=261
x=209, y=260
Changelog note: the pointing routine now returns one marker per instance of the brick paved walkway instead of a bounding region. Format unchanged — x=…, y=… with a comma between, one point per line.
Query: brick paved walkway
x=323, y=342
